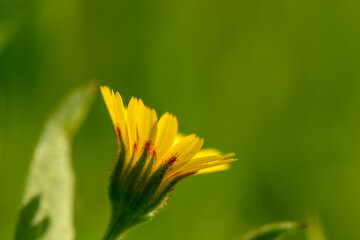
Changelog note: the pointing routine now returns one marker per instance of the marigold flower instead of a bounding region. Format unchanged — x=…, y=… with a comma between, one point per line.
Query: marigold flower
x=152, y=158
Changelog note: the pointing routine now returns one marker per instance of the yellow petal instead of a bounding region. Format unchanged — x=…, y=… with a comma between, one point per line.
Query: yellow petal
x=207, y=152
x=203, y=157
x=201, y=160
x=120, y=118
x=106, y=93
x=167, y=131
x=132, y=113
x=178, y=148
x=214, y=169
x=185, y=150
x=179, y=136
x=147, y=126
x=205, y=166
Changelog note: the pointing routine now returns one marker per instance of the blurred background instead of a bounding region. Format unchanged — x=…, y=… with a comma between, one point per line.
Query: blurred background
x=276, y=82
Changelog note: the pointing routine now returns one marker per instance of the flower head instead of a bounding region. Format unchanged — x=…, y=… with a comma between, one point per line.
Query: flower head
x=152, y=158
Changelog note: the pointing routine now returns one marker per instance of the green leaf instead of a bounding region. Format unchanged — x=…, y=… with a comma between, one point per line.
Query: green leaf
x=315, y=230
x=274, y=231
x=47, y=211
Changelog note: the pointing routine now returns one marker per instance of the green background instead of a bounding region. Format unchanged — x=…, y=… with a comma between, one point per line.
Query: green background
x=276, y=82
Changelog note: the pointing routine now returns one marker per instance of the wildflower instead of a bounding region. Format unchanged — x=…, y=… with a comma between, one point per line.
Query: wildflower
x=152, y=158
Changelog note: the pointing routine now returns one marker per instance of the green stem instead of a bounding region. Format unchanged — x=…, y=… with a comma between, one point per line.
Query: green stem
x=118, y=225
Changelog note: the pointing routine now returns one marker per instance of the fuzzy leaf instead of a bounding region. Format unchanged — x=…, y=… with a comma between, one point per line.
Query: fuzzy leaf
x=152, y=185
x=115, y=186
x=274, y=231
x=47, y=211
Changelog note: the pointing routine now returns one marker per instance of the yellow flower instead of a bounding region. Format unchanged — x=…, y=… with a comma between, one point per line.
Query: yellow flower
x=152, y=156
x=138, y=125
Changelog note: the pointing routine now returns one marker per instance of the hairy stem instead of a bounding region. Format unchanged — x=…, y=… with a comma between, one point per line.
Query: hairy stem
x=118, y=225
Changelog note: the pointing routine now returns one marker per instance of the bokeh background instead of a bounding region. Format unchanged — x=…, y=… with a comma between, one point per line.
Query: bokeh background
x=276, y=82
